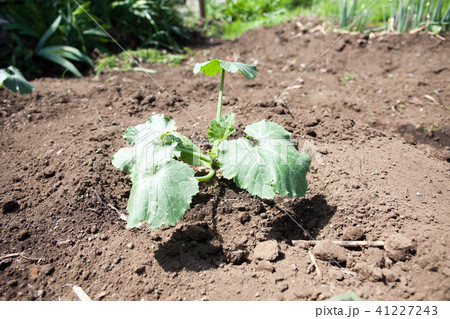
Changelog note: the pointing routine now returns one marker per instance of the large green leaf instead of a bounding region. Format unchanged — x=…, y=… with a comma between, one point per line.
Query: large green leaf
x=161, y=197
x=213, y=67
x=271, y=166
x=162, y=187
x=14, y=80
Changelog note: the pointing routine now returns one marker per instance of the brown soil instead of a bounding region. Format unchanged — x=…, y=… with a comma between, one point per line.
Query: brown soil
x=376, y=109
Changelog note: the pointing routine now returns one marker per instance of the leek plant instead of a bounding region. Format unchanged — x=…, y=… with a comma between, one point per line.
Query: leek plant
x=416, y=15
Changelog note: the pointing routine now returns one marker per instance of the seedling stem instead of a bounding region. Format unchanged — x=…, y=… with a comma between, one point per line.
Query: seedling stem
x=219, y=105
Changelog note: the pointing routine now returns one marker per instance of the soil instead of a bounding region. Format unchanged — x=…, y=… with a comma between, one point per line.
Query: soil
x=372, y=111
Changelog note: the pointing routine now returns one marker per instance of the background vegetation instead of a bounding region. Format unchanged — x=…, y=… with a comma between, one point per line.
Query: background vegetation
x=70, y=32
x=47, y=37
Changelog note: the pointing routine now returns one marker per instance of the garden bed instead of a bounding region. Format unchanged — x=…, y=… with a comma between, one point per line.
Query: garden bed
x=372, y=111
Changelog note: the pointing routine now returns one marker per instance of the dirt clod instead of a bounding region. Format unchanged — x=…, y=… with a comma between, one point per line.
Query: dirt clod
x=23, y=235
x=265, y=265
x=47, y=270
x=9, y=205
x=267, y=250
x=94, y=229
x=236, y=257
x=353, y=233
x=140, y=269
x=399, y=247
x=336, y=274
x=329, y=251
x=197, y=233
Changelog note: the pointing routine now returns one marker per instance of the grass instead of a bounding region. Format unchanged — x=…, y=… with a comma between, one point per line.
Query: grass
x=231, y=21
x=234, y=29
x=123, y=62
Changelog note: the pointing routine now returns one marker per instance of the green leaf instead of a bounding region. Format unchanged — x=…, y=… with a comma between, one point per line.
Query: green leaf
x=49, y=33
x=162, y=197
x=347, y=296
x=59, y=60
x=189, y=152
x=221, y=129
x=14, y=80
x=162, y=187
x=271, y=166
x=213, y=67
x=155, y=128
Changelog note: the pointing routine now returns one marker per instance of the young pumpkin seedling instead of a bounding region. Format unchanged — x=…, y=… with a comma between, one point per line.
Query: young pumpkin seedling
x=264, y=163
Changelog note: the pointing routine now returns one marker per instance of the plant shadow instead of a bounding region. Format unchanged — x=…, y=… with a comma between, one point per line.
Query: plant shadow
x=302, y=219
x=191, y=247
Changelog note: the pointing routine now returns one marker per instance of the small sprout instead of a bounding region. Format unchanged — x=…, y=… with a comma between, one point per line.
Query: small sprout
x=403, y=106
x=372, y=121
x=348, y=77
x=332, y=107
x=436, y=91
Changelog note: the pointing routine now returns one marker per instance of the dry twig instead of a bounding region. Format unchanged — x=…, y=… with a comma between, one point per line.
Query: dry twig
x=81, y=294
x=314, y=261
x=20, y=255
x=343, y=243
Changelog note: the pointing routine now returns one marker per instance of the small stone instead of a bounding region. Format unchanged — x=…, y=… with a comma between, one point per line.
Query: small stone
x=104, y=237
x=265, y=265
x=197, y=234
x=336, y=274
x=101, y=295
x=94, y=229
x=9, y=205
x=244, y=217
x=399, y=247
x=236, y=257
x=140, y=270
x=12, y=283
x=312, y=122
x=38, y=294
x=353, y=233
x=282, y=286
x=329, y=251
x=49, y=172
x=47, y=270
x=268, y=250
x=311, y=132
x=22, y=235
x=390, y=275
x=130, y=245
x=303, y=293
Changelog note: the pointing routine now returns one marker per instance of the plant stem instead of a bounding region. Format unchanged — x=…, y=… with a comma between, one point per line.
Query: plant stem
x=219, y=105
x=206, y=177
x=201, y=157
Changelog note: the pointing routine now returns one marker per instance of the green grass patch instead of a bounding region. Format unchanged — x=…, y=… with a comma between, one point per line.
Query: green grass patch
x=123, y=61
x=234, y=29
